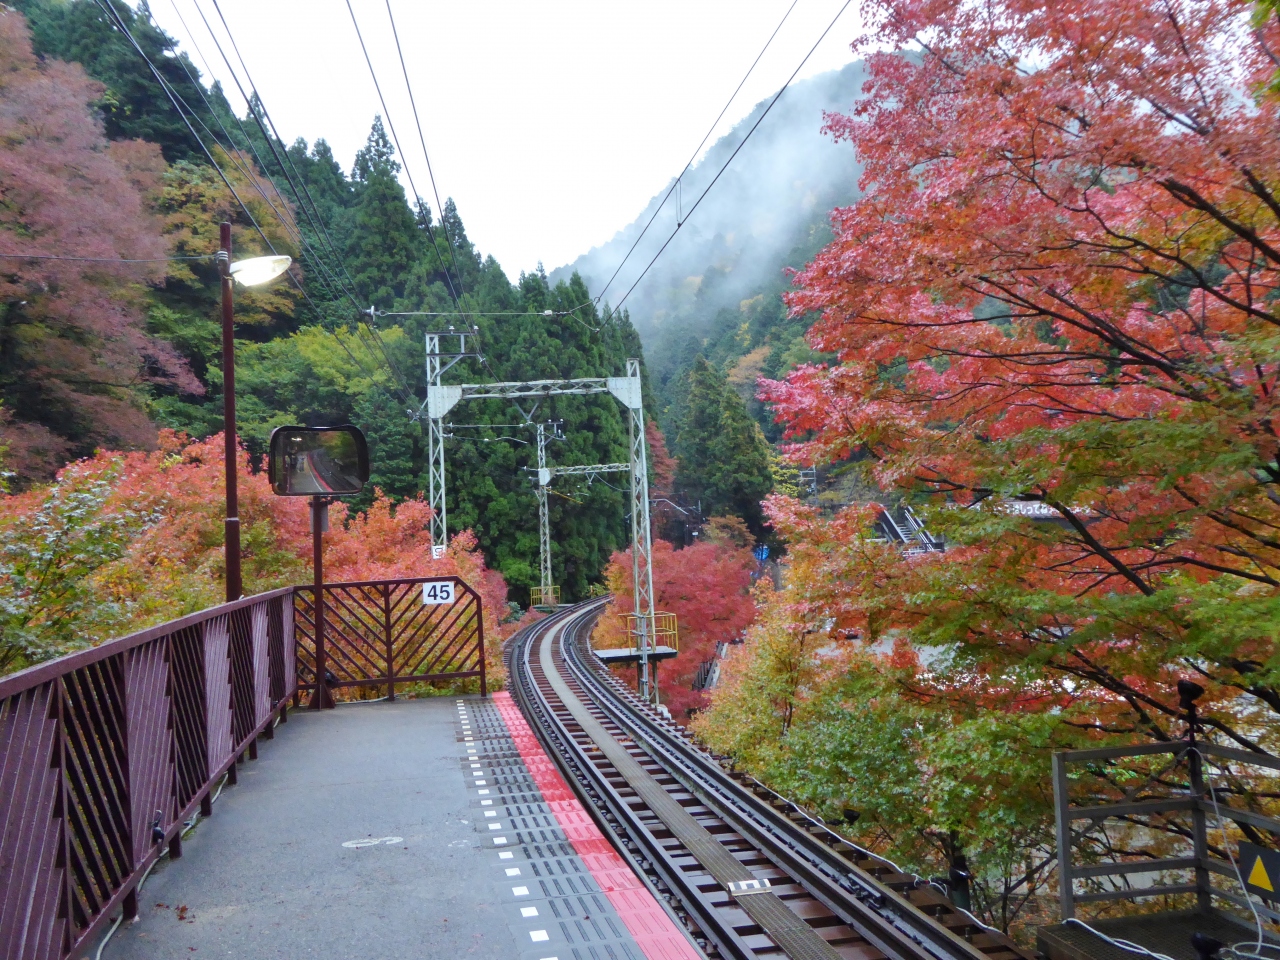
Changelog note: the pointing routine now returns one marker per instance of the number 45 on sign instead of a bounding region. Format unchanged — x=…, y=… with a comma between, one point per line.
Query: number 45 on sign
x=438, y=591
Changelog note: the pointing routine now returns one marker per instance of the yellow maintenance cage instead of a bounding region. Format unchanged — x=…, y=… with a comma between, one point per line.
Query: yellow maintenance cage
x=663, y=633
x=544, y=596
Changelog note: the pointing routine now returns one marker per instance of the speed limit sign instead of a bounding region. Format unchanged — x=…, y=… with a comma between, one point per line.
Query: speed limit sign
x=438, y=591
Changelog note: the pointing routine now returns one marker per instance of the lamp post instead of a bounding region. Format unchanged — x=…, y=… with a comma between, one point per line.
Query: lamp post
x=250, y=273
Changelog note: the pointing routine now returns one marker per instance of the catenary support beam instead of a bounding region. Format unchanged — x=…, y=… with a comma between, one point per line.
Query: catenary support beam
x=441, y=398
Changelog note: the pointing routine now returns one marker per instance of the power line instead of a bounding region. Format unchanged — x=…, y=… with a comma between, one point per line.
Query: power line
x=267, y=138
x=392, y=127
x=232, y=150
x=254, y=104
x=480, y=313
x=455, y=293
x=319, y=227
x=119, y=23
x=35, y=256
x=453, y=256
x=725, y=167
x=698, y=149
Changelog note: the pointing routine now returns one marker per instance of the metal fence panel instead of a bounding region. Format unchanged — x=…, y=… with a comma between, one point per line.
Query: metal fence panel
x=217, y=685
x=151, y=775
x=95, y=744
x=92, y=745
x=31, y=872
x=381, y=632
x=261, y=663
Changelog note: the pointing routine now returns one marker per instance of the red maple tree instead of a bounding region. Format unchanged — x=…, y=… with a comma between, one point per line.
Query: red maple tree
x=1055, y=321
x=72, y=345
x=155, y=526
x=707, y=586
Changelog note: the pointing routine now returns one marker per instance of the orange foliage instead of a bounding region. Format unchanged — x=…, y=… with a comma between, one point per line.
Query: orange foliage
x=173, y=563
x=707, y=586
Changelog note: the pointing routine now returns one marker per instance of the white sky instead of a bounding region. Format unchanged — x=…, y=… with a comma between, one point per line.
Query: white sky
x=551, y=124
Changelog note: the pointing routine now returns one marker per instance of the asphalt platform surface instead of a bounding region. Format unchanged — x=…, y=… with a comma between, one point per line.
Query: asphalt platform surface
x=364, y=832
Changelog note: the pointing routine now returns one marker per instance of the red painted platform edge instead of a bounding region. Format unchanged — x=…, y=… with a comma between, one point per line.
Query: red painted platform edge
x=653, y=930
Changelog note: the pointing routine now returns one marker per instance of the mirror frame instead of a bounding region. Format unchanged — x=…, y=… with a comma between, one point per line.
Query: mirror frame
x=362, y=456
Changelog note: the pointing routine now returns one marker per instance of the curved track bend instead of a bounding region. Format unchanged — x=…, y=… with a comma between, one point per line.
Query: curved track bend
x=695, y=832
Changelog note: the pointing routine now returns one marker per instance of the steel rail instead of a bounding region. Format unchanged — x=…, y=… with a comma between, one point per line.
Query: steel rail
x=616, y=749
x=803, y=842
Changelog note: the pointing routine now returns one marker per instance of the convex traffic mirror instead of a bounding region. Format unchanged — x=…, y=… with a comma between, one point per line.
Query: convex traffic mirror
x=317, y=461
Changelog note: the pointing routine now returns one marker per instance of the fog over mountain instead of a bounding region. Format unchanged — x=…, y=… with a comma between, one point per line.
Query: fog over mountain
x=768, y=208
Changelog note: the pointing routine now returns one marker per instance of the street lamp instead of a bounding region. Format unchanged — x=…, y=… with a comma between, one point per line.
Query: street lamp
x=250, y=273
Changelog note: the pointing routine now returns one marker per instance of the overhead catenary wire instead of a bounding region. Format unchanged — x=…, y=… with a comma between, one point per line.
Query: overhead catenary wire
x=413, y=104
x=317, y=223
x=710, y=130
x=40, y=256
x=120, y=25
x=736, y=150
x=396, y=139
x=454, y=292
x=479, y=313
x=453, y=256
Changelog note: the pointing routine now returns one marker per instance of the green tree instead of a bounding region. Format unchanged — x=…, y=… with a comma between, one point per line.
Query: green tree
x=697, y=429
x=739, y=468
x=383, y=242
x=133, y=106
x=394, y=455
x=723, y=459
x=48, y=604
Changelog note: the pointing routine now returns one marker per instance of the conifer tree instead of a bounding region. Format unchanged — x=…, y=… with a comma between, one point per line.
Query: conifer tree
x=392, y=437
x=698, y=428
x=738, y=464
x=383, y=243
x=723, y=457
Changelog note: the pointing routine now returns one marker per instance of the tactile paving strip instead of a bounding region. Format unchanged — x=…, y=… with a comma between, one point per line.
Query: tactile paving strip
x=652, y=929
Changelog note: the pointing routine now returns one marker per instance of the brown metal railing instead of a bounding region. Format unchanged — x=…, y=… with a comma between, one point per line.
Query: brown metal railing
x=1182, y=789
x=104, y=754
x=380, y=632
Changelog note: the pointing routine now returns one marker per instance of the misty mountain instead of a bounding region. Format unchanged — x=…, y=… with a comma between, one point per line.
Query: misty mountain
x=722, y=274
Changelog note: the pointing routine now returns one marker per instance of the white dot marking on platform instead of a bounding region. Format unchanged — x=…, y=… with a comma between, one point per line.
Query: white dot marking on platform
x=521, y=892
x=513, y=871
x=538, y=936
x=480, y=783
x=475, y=766
x=484, y=791
x=485, y=803
x=499, y=841
x=495, y=826
x=528, y=911
x=491, y=813
x=506, y=855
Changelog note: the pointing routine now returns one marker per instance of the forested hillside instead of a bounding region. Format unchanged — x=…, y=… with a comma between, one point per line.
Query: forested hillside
x=711, y=311
x=716, y=290
x=98, y=162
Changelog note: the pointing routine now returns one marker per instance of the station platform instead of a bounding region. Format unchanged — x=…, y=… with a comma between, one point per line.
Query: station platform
x=408, y=829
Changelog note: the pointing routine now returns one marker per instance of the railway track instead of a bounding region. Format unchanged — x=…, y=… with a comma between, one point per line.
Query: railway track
x=748, y=874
